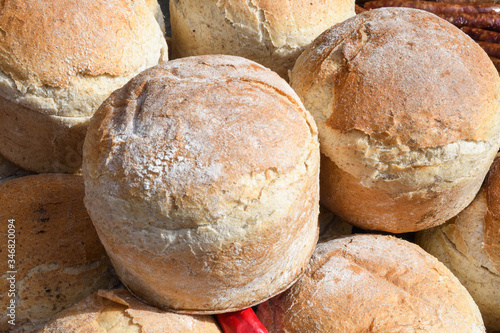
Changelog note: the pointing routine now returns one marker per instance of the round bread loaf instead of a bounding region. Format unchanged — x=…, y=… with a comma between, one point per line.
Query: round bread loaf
x=408, y=114
x=469, y=245
x=59, y=60
x=201, y=177
x=271, y=32
x=372, y=283
x=117, y=311
x=51, y=254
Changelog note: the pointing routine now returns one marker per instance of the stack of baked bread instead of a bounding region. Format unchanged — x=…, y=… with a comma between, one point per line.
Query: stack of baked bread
x=202, y=176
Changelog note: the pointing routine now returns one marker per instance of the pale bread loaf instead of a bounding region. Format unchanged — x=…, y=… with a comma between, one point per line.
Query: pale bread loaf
x=270, y=32
x=201, y=177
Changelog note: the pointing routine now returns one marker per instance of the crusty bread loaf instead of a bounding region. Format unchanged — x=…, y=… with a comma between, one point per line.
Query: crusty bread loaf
x=201, y=177
x=271, y=32
x=58, y=61
x=408, y=114
x=469, y=245
x=117, y=311
x=372, y=283
x=57, y=258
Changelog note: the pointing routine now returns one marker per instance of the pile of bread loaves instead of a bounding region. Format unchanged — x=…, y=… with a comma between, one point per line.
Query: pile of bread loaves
x=142, y=194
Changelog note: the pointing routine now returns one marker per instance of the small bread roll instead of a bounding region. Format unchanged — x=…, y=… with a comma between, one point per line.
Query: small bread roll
x=59, y=60
x=469, y=245
x=117, y=311
x=57, y=258
x=201, y=177
x=408, y=114
x=373, y=283
x=270, y=32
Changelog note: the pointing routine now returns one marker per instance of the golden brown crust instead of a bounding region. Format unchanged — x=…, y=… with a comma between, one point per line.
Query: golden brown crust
x=39, y=32
x=204, y=169
x=408, y=138
x=372, y=283
x=469, y=245
x=492, y=218
x=59, y=60
x=377, y=209
x=386, y=88
x=44, y=202
x=59, y=258
x=118, y=311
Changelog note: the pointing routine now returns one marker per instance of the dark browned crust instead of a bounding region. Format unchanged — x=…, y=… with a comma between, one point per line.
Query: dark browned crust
x=482, y=34
x=436, y=7
x=492, y=49
x=496, y=62
x=482, y=21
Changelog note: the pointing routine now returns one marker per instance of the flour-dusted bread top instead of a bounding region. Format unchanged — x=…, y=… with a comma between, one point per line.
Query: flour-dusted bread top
x=402, y=76
x=204, y=169
x=204, y=130
x=373, y=283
